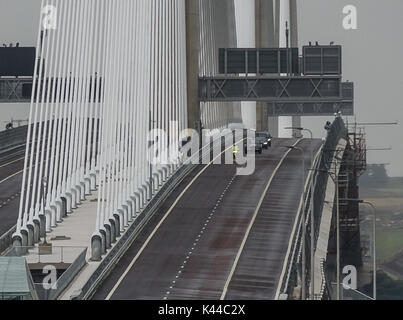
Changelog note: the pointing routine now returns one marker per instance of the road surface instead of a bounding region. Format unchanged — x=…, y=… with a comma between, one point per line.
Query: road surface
x=226, y=237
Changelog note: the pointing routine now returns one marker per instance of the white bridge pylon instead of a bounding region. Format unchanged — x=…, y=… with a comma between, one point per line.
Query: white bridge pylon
x=107, y=72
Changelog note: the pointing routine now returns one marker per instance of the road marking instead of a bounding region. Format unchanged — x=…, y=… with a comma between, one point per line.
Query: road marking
x=160, y=223
x=13, y=175
x=204, y=228
x=11, y=162
x=8, y=200
x=225, y=289
x=293, y=232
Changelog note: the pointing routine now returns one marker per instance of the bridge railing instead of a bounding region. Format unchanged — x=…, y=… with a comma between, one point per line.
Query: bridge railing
x=6, y=240
x=319, y=178
x=12, y=142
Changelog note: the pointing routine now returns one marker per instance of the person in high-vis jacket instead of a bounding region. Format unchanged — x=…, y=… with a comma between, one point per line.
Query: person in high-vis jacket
x=234, y=151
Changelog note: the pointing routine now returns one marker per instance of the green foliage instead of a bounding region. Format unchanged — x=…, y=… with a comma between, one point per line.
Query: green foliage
x=386, y=287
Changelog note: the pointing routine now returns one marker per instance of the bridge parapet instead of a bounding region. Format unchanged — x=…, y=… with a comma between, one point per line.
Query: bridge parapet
x=316, y=190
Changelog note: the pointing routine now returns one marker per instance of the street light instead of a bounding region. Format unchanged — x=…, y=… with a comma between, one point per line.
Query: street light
x=303, y=221
x=374, y=237
x=378, y=123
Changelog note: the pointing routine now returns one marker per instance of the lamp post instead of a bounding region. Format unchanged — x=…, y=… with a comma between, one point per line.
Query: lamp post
x=44, y=193
x=374, y=238
x=303, y=263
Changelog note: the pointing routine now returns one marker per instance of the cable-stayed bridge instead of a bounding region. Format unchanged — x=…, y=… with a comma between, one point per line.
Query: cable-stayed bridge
x=123, y=189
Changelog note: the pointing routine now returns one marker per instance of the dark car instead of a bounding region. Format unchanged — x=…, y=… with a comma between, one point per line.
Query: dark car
x=253, y=144
x=264, y=138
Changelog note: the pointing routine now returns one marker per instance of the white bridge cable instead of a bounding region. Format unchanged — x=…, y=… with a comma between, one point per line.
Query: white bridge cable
x=106, y=73
x=21, y=222
x=53, y=151
x=212, y=26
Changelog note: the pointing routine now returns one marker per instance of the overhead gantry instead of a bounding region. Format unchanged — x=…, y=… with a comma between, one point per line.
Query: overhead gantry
x=290, y=85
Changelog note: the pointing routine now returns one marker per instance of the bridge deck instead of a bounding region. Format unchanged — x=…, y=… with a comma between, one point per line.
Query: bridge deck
x=191, y=254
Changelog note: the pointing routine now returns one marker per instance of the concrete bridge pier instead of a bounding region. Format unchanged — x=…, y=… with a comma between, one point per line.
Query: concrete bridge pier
x=56, y=212
x=18, y=244
x=80, y=193
x=117, y=225
x=48, y=219
x=30, y=238
x=129, y=207
x=138, y=206
x=156, y=181
x=108, y=236
x=102, y=231
x=134, y=202
x=87, y=185
x=52, y=215
x=59, y=209
x=83, y=191
x=69, y=202
x=124, y=218
x=93, y=179
x=42, y=229
x=24, y=236
x=112, y=224
x=73, y=198
x=37, y=227
x=96, y=247
x=165, y=174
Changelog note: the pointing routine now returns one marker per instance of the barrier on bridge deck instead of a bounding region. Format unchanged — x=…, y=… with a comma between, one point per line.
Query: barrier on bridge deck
x=12, y=142
x=6, y=240
x=320, y=177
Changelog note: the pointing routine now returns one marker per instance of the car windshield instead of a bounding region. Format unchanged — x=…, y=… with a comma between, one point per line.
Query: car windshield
x=261, y=135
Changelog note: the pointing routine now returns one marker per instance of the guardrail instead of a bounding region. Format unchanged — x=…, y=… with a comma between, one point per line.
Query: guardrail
x=6, y=240
x=13, y=143
x=12, y=137
x=320, y=177
x=296, y=249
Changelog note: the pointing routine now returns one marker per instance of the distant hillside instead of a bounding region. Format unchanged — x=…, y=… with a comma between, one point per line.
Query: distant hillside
x=375, y=183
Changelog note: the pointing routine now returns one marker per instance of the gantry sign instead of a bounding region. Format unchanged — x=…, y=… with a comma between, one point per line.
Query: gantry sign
x=311, y=85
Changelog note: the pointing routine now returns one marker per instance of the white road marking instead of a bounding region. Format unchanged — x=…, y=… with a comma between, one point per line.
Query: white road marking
x=252, y=222
x=9, y=177
x=201, y=232
x=11, y=162
x=159, y=225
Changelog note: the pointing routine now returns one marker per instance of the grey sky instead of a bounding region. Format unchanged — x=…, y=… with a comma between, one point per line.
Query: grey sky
x=372, y=59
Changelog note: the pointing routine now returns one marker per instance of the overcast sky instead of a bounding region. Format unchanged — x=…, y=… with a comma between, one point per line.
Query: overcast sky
x=372, y=58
